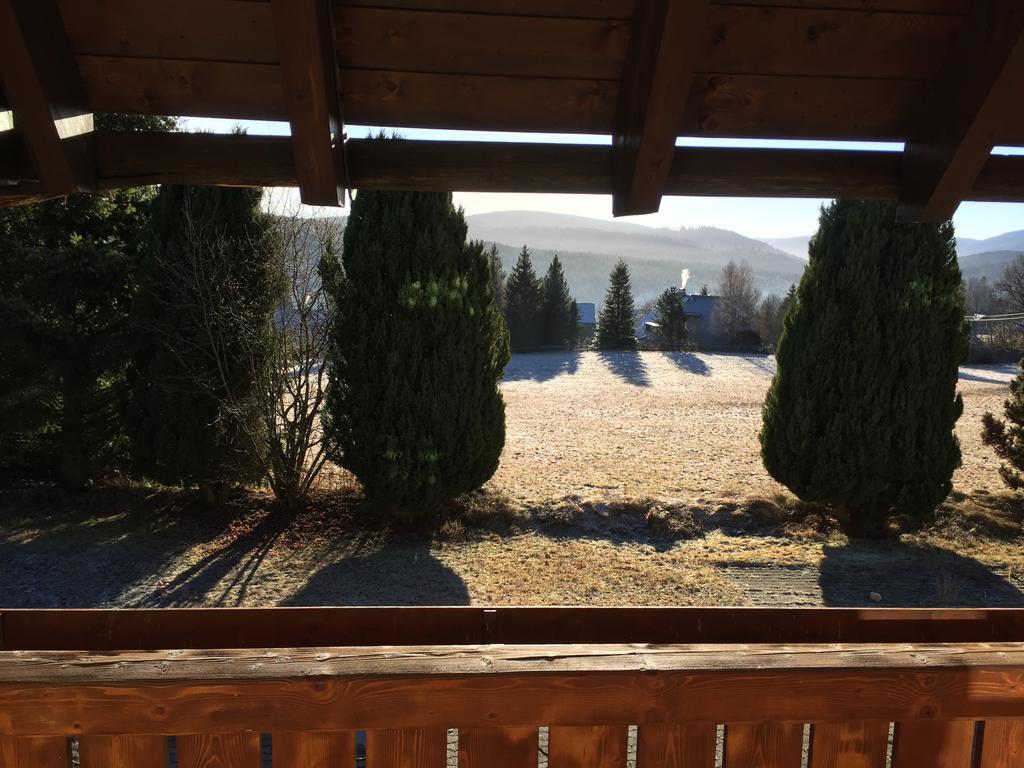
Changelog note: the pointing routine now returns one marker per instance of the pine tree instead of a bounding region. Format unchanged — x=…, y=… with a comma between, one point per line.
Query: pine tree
x=557, y=308
x=208, y=288
x=615, y=323
x=413, y=405
x=574, y=328
x=523, y=300
x=671, y=316
x=861, y=411
x=498, y=277
x=67, y=281
x=1007, y=437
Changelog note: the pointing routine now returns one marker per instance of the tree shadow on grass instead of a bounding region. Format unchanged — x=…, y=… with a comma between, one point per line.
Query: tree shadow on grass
x=689, y=362
x=402, y=573
x=628, y=366
x=908, y=576
x=541, y=366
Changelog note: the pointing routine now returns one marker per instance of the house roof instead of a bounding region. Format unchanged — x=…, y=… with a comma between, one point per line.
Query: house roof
x=588, y=313
x=943, y=76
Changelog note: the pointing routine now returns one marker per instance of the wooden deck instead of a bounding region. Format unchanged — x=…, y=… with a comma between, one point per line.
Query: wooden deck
x=397, y=679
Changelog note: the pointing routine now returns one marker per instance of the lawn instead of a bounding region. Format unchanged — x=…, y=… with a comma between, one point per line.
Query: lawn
x=626, y=479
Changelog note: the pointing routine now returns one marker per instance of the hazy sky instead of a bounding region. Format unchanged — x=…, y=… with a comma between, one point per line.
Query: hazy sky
x=753, y=217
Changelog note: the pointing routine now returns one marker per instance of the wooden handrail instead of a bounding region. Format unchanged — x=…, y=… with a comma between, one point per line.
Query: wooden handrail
x=174, y=628
x=53, y=694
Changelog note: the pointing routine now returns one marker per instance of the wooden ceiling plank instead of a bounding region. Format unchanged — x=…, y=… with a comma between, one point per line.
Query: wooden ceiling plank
x=964, y=111
x=665, y=42
x=45, y=91
x=305, y=46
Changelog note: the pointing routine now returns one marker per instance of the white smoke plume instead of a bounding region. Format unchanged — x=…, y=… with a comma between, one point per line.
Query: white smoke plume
x=684, y=278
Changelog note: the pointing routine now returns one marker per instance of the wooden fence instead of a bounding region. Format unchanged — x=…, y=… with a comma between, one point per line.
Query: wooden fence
x=611, y=688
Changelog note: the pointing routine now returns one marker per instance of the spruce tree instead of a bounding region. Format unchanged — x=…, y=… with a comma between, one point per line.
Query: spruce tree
x=557, y=308
x=67, y=281
x=208, y=287
x=1007, y=437
x=498, y=277
x=523, y=300
x=671, y=316
x=861, y=411
x=615, y=323
x=413, y=407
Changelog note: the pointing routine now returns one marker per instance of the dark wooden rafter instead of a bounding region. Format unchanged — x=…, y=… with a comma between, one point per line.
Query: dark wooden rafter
x=305, y=45
x=45, y=92
x=665, y=42
x=964, y=110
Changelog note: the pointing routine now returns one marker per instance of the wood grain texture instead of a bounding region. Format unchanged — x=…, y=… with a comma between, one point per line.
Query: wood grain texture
x=219, y=750
x=666, y=39
x=139, y=159
x=406, y=748
x=1002, y=744
x=122, y=751
x=849, y=745
x=507, y=747
x=962, y=111
x=313, y=749
x=34, y=752
x=178, y=628
x=930, y=744
x=675, y=746
x=588, y=746
x=763, y=745
x=43, y=86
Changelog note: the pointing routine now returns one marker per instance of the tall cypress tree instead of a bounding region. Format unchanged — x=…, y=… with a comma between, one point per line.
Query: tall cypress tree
x=413, y=405
x=557, y=308
x=861, y=411
x=208, y=288
x=67, y=281
x=615, y=324
x=523, y=300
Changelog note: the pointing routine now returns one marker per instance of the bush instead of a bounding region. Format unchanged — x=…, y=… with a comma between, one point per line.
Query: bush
x=861, y=411
x=413, y=408
x=1007, y=437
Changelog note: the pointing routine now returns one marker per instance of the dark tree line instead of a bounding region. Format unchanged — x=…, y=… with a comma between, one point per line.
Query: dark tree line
x=540, y=312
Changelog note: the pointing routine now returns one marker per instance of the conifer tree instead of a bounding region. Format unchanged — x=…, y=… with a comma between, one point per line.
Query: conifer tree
x=671, y=316
x=498, y=277
x=413, y=407
x=1007, y=437
x=211, y=258
x=557, y=310
x=67, y=281
x=523, y=300
x=861, y=411
x=615, y=323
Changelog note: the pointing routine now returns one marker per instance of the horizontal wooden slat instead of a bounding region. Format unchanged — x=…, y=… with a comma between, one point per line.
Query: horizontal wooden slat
x=140, y=629
x=70, y=667
x=623, y=9
x=137, y=159
x=249, y=703
x=806, y=41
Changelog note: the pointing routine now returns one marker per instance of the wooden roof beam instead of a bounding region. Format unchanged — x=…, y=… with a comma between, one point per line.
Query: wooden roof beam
x=964, y=108
x=665, y=40
x=305, y=46
x=45, y=92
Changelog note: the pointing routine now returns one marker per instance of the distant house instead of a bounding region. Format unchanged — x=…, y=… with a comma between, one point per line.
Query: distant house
x=588, y=320
x=701, y=328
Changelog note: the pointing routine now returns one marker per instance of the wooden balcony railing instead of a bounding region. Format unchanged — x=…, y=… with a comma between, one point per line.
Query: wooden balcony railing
x=611, y=688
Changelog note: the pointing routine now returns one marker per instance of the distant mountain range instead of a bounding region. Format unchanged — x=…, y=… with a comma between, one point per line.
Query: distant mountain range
x=589, y=248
